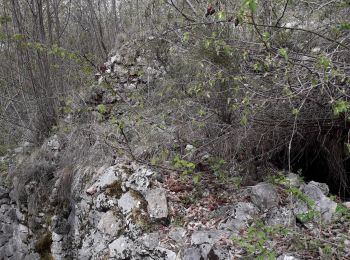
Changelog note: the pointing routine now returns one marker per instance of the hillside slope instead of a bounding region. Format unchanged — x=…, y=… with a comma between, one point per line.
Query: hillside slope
x=108, y=184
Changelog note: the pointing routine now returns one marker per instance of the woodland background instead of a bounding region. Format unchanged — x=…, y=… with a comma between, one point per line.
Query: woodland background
x=263, y=83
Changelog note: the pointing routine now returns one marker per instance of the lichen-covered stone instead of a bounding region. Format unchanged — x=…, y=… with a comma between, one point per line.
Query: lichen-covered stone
x=157, y=204
x=264, y=196
x=110, y=224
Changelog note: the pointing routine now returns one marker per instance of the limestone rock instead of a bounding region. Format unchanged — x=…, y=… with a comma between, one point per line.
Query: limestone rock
x=192, y=253
x=157, y=204
x=209, y=237
x=109, y=224
x=151, y=240
x=281, y=216
x=54, y=143
x=139, y=180
x=322, y=186
x=264, y=196
x=177, y=234
x=241, y=213
x=324, y=205
x=121, y=248
x=166, y=253
x=4, y=193
x=127, y=202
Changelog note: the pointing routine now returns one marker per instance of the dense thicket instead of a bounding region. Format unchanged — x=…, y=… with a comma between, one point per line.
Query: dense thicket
x=255, y=81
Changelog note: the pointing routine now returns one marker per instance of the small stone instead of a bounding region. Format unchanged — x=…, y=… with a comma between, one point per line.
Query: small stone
x=127, y=202
x=151, y=240
x=264, y=196
x=287, y=257
x=322, y=186
x=192, y=253
x=91, y=191
x=109, y=224
x=177, y=234
x=209, y=237
x=121, y=248
x=347, y=204
x=167, y=254
x=54, y=143
x=56, y=237
x=293, y=179
x=280, y=216
x=4, y=193
x=139, y=179
x=157, y=204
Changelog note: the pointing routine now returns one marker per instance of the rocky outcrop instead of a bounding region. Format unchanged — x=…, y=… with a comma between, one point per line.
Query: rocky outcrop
x=124, y=212
x=15, y=238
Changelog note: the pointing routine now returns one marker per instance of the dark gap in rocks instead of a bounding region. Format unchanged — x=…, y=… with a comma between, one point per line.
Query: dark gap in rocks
x=319, y=158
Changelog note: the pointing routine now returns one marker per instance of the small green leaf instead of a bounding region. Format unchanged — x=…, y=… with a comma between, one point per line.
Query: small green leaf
x=266, y=36
x=324, y=62
x=344, y=26
x=102, y=109
x=19, y=37
x=283, y=53
x=196, y=178
x=186, y=36
x=347, y=146
x=340, y=106
x=207, y=43
x=221, y=15
x=295, y=111
x=244, y=120
x=251, y=4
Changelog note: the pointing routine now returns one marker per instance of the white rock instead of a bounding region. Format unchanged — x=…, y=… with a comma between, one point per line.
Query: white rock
x=121, y=248
x=287, y=257
x=127, y=203
x=157, y=204
x=109, y=224
x=347, y=204
x=245, y=211
x=169, y=255
x=281, y=216
x=56, y=237
x=139, y=179
x=54, y=143
x=316, y=50
x=209, y=237
x=322, y=186
x=116, y=59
